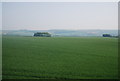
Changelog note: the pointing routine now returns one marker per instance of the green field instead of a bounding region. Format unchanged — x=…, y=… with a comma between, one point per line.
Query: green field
x=60, y=57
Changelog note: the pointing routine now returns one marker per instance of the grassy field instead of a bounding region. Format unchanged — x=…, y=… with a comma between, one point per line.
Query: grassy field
x=60, y=58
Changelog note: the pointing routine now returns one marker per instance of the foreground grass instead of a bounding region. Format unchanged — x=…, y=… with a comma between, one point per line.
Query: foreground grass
x=60, y=58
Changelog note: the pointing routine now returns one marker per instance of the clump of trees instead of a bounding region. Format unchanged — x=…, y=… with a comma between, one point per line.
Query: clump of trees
x=42, y=34
x=107, y=35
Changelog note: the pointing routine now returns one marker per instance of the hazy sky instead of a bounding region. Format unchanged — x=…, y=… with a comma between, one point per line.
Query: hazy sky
x=0, y=16
x=59, y=15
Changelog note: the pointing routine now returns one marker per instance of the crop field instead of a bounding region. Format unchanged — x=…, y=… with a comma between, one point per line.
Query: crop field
x=59, y=57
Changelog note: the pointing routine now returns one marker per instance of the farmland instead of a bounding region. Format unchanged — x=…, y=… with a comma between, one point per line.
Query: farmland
x=59, y=57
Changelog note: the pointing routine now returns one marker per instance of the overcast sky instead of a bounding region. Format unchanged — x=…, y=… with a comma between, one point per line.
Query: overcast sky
x=59, y=15
x=0, y=16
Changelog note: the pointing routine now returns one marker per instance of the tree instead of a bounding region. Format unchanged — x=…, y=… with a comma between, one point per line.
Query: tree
x=107, y=35
x=42, y=34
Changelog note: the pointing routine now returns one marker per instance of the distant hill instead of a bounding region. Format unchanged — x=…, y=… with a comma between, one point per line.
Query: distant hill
x=61, y=32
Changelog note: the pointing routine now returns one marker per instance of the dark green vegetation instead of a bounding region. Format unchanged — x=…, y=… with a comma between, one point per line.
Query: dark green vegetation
x=42, y=34
x=60, y=57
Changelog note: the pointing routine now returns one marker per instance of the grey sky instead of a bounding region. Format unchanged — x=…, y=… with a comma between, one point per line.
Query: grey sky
x=58, y=15
x=0, y=16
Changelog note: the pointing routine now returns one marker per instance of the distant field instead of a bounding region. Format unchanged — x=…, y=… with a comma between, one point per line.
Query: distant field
x=60, y=57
